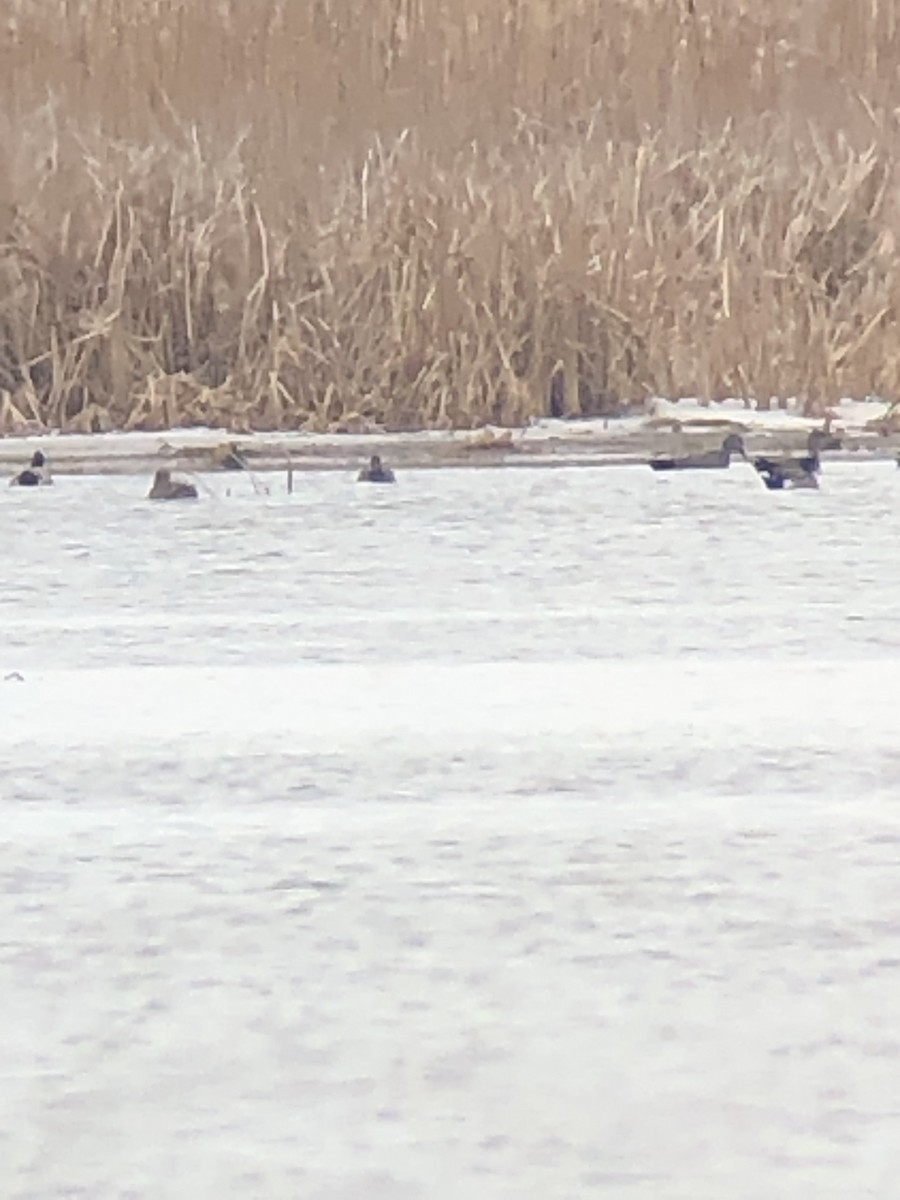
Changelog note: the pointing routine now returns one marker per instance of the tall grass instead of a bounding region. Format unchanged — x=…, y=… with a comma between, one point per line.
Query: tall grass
x=297, y=213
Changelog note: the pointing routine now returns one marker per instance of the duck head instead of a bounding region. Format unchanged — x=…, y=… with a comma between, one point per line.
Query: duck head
x=734, y=444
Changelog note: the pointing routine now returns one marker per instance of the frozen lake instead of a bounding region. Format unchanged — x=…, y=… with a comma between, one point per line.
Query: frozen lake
x=504, y=835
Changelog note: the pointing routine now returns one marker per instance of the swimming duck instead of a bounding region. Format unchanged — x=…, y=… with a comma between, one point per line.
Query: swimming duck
x=796, y=471
x=35, y=475
x=733, y=444
x=375, y=472
x=793, y=474
x=167, y=488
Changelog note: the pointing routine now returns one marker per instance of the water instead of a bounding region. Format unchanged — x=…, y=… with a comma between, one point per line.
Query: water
x=505, y=834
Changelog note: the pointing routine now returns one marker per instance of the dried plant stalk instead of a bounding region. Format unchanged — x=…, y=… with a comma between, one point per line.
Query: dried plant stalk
x=403, y=213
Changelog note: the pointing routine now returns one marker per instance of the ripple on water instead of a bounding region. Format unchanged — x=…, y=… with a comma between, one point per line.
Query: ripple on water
x=519, y=834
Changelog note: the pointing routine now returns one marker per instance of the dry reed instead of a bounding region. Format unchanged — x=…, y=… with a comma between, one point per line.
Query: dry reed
x=406, y=213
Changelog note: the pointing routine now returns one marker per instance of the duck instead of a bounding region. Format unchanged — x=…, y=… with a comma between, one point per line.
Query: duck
x=778, y=476
x=732, y=445
x=166, y=488
x=376, y=472
x=37, y=474
x=796, y=471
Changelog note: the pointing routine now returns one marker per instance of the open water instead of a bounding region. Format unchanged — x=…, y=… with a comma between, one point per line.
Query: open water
x=504, y=835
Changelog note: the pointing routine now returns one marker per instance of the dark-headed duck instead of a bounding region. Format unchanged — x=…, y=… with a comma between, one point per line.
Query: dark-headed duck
x=35, y=475
x=376, y=472
x=167, y=488
x=796, y=471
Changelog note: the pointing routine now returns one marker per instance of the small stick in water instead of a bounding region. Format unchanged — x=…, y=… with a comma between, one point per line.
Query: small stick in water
x=290, y=476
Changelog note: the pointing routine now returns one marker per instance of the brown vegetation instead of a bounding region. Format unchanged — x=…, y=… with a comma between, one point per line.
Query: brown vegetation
x=292, y=213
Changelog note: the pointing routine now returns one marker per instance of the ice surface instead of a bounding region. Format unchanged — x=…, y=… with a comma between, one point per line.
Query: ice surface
x=851, y=415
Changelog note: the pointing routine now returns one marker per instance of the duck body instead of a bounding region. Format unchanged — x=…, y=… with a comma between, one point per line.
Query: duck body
x=778, y=478
x=780, y=473
x=376, y=472
x=27, y=478
x=796, y=471
x=707, y=460
x=166, y=488
x=37, y=474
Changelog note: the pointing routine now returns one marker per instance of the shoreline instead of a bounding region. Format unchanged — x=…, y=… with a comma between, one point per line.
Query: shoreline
x=574, y=443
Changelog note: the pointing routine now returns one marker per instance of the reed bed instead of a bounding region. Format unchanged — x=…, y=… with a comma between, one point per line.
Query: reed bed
x=281, y=214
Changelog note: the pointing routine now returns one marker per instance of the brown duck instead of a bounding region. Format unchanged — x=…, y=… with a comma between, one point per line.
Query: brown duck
x=166, y=488
x=707, y=459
